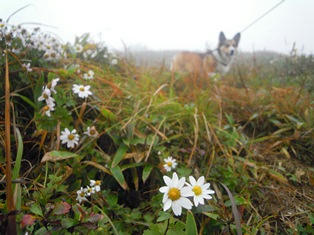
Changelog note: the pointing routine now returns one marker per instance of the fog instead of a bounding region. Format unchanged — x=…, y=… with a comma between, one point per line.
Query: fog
x=173, y=25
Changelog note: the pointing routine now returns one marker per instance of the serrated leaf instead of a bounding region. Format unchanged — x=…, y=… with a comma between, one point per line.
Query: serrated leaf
x=54, y=156
x=146, y=172
x=61, y=208
x=36, y=209
x=118, y=175
x=190, y=226
x=119, y=154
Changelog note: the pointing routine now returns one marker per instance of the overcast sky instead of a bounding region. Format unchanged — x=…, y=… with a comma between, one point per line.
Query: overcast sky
x=174, y=24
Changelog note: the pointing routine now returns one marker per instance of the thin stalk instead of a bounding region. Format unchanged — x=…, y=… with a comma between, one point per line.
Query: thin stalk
x=11, y=229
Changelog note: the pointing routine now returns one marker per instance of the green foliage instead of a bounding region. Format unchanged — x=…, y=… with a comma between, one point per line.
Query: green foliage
x=247, y=138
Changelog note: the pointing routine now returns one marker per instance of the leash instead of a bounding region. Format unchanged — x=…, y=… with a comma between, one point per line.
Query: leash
x=262, y=16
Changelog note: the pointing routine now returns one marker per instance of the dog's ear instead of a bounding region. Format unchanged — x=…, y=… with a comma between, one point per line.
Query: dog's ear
x=222, y=37
x=236, y=38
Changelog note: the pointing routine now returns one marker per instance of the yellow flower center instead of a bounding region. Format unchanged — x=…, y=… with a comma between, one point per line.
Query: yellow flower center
x=45, y=96
x=174, y=194
x=197, y=190
x=46, y=108
x=98, y=182
x=89, y=190
x=71, y=137
x=82, y=194
x=92, y=132
x=82, y=89
x=169, y=164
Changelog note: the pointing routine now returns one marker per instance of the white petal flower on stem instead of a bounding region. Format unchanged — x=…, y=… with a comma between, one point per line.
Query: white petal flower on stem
x=89, y=75
x=51, y=85
x=200, y=190
x=170, y=163
x=82, y=91
x=95, y=184
x=69, y=137
x=45, y=95
x=27, y=67
x=175, y=194
x=48, y=108
x=91, y=131
x=78, y=48
x=89, y=190
x=81, y=195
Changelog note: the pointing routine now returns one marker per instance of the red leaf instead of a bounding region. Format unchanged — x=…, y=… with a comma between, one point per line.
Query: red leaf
x=94, y=218
x=62, y=208
x=27, y=220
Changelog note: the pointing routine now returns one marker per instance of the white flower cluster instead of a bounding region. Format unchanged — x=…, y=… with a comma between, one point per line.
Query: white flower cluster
x=89, y=75
x=46, y=96
x=94, y=186
x=177, y=193
x=71, y=138
x=35, y=39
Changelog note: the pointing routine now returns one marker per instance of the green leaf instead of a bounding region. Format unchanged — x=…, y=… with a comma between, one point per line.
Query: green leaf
x=190, y=226
x=36, y=209
x=131, y=165
x=211, y=215
x=238, y=201
x=163, y=216
x=118, y=175
x=54, y=156
x=146, y=172
x=17, y=165
x=27, y=100
x=68, y=222
x=119, y=154
x=107, y=114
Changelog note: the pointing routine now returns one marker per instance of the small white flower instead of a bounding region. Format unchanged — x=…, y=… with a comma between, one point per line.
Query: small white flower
x=200, y=190
x=27, y=67
x=48, y=108
x=51, y=85
x=91, y=131
x=82, y=91
x=88, y=190
x=45, y=95
x=89, y=75
x=95, y=184
x=175, y=194
x=114, y=61
x=69, y=137
x=159, y=153
x=170, y=163
x=81, y=195
x=78, y=48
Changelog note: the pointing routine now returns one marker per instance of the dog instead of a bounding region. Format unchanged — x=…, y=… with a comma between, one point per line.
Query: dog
x=209, y=63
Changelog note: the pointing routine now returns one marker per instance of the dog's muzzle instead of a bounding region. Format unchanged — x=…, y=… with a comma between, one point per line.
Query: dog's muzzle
x=231, y=52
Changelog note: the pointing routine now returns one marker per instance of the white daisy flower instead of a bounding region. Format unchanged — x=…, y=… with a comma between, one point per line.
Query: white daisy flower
x=95, y=184
x=89, y=75
x=81, y=195
x=51, y=85
x=45, y=95
x=88, y=190
x=27, y=67
x=175, y=194
x=200, y=190
x=78, y=48
x=48, y=108
x=69, y=137
x=81, y=90
x=170, y=163
x=91, y=131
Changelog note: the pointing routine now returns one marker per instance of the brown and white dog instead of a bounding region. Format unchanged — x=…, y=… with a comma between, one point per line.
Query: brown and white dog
x=208, y=63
